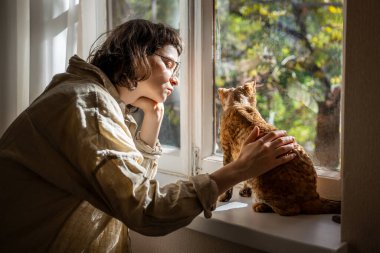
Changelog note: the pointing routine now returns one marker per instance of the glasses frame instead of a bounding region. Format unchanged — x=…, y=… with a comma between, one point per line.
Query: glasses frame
x=175, y=72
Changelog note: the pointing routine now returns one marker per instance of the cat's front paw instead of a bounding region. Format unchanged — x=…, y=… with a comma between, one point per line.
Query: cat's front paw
x=245, y=192
x=226, y=196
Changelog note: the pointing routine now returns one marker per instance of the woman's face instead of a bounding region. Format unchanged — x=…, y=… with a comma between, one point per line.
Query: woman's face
x=161, y=82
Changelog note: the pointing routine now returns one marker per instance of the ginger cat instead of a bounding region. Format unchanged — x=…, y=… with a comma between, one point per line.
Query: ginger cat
x=289, y=189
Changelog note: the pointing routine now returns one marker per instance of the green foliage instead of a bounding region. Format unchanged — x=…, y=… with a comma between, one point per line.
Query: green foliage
x=163, y=11
x=294, y=48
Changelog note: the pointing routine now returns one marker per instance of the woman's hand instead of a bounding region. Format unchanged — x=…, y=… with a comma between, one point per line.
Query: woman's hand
x=148, y=106
x=153, y=115
x=257, y=156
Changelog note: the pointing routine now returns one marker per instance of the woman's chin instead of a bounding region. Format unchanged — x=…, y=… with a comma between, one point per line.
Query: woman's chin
x=163, y=98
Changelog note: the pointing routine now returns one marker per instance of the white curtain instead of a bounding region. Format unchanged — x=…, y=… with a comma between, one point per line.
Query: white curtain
x=40, y=37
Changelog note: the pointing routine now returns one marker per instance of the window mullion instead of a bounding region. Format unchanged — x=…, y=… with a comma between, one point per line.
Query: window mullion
x=202, y=84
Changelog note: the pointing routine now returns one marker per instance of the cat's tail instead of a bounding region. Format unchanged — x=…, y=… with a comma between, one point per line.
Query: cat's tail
x=321, y=206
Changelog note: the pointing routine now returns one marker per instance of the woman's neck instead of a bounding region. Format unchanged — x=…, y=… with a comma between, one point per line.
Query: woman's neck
x=127, y=96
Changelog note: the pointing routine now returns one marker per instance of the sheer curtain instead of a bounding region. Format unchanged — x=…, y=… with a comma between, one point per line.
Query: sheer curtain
x=40, y=37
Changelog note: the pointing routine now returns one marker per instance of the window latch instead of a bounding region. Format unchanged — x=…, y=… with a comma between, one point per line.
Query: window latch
x=195, y=167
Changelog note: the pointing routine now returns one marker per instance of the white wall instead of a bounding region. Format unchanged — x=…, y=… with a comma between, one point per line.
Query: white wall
x=185, y=241
x=361, y=147
x=38, y=38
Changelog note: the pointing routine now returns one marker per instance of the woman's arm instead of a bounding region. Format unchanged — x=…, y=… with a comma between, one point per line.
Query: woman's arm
x=115, y=181
x=257, y=156
x=153, y=115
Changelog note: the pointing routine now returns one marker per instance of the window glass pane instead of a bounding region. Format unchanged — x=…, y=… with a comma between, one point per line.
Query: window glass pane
x=162, y=11
x=294, y=49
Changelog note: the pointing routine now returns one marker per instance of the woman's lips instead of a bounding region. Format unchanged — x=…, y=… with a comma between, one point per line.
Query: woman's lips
x=170, y=91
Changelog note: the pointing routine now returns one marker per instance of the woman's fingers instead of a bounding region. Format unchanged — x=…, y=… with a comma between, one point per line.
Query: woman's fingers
x=266, y=152
x=269, y=137
x=279, y=146
x=282, y=150
x=148, y=105
x=282, y=141
x=284, y=159
x=253, y=136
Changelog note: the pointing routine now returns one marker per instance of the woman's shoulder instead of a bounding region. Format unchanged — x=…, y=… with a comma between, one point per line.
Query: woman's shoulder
x=69, y=91
x=71, y=87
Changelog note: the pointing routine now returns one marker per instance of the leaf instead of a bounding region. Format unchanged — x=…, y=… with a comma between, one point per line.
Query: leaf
x=299, y=93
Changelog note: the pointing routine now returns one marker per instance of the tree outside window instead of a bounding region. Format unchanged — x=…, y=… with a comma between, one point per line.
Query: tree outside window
x=294, y=50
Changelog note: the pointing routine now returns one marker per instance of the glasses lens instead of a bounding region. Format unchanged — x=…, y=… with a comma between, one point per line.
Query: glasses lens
x=176, y=70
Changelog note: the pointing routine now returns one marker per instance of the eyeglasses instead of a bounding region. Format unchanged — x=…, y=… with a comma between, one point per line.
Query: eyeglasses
x=170, y=64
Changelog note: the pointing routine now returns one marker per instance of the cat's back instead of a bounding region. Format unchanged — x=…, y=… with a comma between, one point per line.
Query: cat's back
x=294, y=180
x=235, y=121
x=235, y=126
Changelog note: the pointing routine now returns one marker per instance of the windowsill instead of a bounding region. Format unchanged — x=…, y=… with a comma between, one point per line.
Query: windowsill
x=267, y=231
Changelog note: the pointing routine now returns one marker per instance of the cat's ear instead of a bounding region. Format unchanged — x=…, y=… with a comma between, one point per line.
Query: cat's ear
x=253, y=84
x=222, y=93
x=250, y=87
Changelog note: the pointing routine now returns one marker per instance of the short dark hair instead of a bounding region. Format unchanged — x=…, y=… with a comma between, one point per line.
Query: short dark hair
x=123, y=55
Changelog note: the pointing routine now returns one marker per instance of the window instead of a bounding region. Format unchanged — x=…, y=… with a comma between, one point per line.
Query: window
x=293, y=49
x=173, y=13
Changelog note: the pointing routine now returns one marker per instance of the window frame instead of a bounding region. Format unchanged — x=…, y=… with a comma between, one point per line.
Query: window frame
x=176, y=161
x=203, y=79
x=196, y=154
x=329, y=183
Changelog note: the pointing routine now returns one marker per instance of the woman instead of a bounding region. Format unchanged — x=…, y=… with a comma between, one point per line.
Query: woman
x=76, y=173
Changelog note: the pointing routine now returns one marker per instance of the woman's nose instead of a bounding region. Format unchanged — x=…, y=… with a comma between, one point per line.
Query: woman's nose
x=174, y=81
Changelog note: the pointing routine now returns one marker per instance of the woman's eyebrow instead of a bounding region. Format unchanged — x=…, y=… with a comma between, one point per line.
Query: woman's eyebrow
x=166, y=57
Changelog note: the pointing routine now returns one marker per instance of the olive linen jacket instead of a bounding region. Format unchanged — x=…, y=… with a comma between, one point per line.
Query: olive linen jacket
x=75, y=175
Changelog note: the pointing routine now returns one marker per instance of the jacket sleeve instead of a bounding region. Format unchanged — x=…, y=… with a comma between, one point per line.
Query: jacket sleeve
x=150, y=154
x=100, y=147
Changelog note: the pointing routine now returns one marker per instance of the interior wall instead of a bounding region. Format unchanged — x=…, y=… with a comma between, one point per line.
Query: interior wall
x=8, y=67
x=185, y=241
x=361, y=133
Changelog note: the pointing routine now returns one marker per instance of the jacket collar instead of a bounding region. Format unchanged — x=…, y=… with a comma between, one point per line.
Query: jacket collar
x=78, y=66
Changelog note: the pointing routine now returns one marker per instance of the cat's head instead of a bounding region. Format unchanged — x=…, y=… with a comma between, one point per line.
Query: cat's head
x=242, y=95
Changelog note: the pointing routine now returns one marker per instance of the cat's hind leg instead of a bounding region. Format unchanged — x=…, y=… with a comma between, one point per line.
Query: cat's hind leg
x=287, y=210
x=262, y=208
x=246, y=191
x=226, y=196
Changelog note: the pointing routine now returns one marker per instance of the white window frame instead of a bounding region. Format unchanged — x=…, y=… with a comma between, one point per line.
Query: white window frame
x=196, y=154
x=203, y=71
x=202, y=21
x=176, y=161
